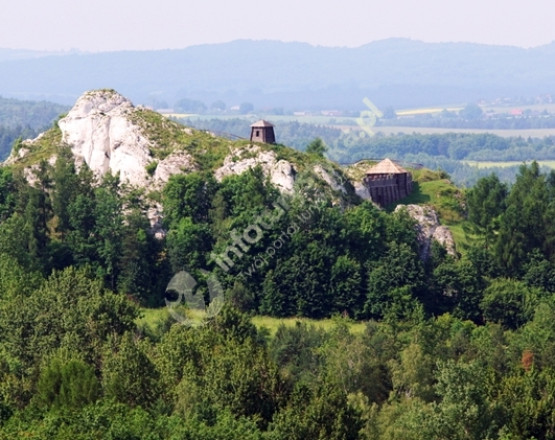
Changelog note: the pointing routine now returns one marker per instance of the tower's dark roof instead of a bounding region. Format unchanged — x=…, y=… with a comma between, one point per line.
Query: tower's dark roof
x=262, y=123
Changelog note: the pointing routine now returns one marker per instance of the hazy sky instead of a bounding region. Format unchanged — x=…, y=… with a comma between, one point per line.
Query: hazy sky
x=100, y=25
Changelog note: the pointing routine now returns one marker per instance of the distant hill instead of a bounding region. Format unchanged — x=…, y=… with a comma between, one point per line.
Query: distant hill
x=269, y=74
x=24, y=119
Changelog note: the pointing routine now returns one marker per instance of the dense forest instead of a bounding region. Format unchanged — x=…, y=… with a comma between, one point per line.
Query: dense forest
x=457, y=347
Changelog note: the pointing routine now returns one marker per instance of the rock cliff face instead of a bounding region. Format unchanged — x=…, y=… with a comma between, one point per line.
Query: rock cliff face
x=429, y=229
x=101, y=132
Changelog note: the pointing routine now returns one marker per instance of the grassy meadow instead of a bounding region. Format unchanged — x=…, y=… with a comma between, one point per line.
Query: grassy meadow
x=152, y=318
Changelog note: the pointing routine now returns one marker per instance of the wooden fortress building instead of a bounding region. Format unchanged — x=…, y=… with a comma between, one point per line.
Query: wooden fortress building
x=388, y=182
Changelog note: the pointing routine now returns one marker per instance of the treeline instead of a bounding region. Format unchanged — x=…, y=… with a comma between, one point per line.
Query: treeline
x=10, y=135
x=496, y=122
x=352, y=146
x=454, y=146
x=35, y=114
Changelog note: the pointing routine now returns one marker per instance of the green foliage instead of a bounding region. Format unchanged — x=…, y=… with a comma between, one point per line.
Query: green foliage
x=464, y=412
x=509, y=303
x=317, y=147
x=151, y=167
x=128, y=374
x=314, y=415
x=66, y=382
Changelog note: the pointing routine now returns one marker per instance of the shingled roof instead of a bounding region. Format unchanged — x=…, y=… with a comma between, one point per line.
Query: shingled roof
x=262, y=123
x=387, y=166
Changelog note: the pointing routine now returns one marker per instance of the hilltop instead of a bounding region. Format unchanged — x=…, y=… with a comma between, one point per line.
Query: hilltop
x=108, y=133
x=105, y=131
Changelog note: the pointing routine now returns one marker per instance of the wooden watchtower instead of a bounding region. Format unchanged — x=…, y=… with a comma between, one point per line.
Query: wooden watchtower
x=263, y=131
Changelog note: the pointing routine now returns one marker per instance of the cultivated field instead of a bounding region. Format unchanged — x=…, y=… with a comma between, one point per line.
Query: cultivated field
x=546, y=163
x=533, y=133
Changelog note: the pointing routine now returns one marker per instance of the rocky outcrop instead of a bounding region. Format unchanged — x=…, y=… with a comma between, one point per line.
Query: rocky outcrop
x=429, y=229
x=331, y=177
x=101, y=132
x=362, y=191
x=175, y=163
x=108, y=134
x=281, y=172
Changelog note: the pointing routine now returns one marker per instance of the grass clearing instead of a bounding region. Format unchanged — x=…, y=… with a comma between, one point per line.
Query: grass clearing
x=272, y=324
x=441, y=194
x=153, y=318
x=433, y=189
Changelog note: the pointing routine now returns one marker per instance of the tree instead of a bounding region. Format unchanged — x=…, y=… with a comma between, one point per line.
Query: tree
x=66, y=382
x=187, y=105
x=526, y=223
x=509, y=303
x=128, y=375
x=7, y=193
x=218, y=105
x=65, y=187
x=317, y=147
x=139, y=265
x=471, y=112
x=108, y=229
x=486, y=202
x=464, y=412
x=394, y=282
x=320, y=414
x=346, y=285
x=188, y=195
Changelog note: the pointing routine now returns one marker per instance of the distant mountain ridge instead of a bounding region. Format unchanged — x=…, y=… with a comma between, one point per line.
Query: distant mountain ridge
x=393, y=72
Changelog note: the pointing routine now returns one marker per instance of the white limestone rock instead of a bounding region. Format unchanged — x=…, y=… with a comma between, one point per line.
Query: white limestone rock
x=281, y=173
x=334, y=180
x=429, y=229
x=362, y=191
x=100, y=133
x=175, y=163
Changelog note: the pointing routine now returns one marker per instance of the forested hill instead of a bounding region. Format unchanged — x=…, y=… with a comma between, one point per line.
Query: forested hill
x=24, y=119
x=269, y=74
x=450, y=346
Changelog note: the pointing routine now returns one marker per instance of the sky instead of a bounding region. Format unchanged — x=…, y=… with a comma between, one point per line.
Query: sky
x=108, y=25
